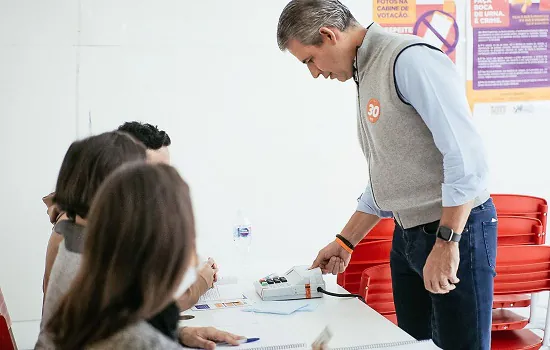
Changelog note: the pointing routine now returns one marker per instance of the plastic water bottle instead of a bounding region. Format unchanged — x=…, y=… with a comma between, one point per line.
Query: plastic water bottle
x=242, y=236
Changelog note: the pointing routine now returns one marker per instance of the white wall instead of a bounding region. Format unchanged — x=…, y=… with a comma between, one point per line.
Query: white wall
x=250, y=128
x=37, y=110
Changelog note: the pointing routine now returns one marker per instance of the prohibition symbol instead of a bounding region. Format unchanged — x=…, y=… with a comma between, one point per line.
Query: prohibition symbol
x=439, y=29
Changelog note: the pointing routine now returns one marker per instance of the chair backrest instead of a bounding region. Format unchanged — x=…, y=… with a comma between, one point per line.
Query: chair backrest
x=517, y=230
x=376, y=288
x=521, y=205
x=522, y=269
x=382, y=231
x=6, y=341
x=365, y=255
x=4, y=309
x=5, y=335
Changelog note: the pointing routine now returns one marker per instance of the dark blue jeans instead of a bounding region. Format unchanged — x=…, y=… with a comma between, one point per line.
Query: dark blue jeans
x=460, y=319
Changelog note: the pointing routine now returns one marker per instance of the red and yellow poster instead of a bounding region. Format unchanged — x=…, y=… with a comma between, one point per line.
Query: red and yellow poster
x=433, y=20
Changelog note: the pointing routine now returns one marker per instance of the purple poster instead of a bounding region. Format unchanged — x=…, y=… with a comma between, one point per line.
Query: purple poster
x=510, y=44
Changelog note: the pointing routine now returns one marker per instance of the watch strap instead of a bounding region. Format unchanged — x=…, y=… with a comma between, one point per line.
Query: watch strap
x=454, y=236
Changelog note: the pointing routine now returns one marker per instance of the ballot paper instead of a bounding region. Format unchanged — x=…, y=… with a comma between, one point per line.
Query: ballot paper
x=223, y=295
x=281, y=307
x=222, y=292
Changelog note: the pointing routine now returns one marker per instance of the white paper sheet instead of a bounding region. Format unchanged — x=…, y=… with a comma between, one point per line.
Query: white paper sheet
x=221, y=293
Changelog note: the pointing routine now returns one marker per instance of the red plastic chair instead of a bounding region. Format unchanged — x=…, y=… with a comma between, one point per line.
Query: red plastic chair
x=512, y=230
x=521, y=205
x=503, y=301
x=526, y=206
x=518, y=230
x=365, y=255
x=522, y=339
x=6, y=342
x=4, y=309
x=376, y=288
x=381, y=274
x=376, y=252
x=6, y=338
x=521, y=269
x=382, y=231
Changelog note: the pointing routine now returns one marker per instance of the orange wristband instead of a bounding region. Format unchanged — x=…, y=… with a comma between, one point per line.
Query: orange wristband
x=343, y=245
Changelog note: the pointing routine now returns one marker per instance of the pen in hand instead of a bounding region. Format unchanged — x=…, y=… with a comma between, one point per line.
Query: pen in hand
x=240, y=341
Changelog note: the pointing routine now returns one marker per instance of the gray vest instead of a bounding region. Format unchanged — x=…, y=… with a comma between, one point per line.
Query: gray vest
x=405, y=166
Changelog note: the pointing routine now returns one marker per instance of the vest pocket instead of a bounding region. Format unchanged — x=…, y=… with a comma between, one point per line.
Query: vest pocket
x=490, y=241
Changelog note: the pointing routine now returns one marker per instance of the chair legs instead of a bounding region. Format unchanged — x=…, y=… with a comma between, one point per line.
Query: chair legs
x=546, y=336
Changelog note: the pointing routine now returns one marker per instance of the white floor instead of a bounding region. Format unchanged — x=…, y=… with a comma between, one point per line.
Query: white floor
x=26, y=332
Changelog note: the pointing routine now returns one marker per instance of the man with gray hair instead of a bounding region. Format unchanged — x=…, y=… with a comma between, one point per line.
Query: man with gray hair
x=427, y=170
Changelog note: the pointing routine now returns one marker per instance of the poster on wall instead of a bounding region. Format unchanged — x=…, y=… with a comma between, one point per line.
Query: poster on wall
x=508, y=59
x=433, y=20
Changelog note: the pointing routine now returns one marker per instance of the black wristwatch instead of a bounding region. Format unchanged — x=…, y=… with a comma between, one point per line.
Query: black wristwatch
x=447, y=234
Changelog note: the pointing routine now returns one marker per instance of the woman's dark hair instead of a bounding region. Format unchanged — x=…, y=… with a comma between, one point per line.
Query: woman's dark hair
x=140, y=240
x=148, y=134
x=86, y=165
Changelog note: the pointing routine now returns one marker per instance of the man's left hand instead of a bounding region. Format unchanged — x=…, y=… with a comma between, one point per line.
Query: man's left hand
x=441, y=267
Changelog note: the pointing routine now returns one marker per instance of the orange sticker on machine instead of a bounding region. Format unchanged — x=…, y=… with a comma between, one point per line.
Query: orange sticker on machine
x=308, y=291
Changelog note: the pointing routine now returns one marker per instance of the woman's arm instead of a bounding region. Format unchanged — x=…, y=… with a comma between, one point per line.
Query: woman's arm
x=192, y=295
x=51, y=250
x=51, y=254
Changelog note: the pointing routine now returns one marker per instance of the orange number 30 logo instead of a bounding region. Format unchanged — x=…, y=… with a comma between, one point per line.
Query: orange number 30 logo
x=373, y=110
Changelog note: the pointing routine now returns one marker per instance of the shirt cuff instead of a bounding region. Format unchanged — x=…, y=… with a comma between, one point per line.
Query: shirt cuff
x=462, y=191
x=365, y=204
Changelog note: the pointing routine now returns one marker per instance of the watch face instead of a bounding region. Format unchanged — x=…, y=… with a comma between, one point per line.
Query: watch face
x=445, y=233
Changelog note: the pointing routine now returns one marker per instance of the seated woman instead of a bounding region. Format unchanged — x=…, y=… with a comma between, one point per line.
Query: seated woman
x=156, y=142
x=86, y=164
x=138, y=258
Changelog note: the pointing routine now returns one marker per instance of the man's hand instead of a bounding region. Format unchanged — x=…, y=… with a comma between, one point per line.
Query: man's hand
x=209, y=272
x=441, y=267
x=442, y=263
x=206, y=337
x=332, y=259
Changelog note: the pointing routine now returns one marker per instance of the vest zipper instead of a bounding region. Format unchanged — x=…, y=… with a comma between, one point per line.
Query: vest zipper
x=356, y=78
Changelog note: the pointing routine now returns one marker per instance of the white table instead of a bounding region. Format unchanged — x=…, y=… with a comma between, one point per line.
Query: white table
x=351, y=321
